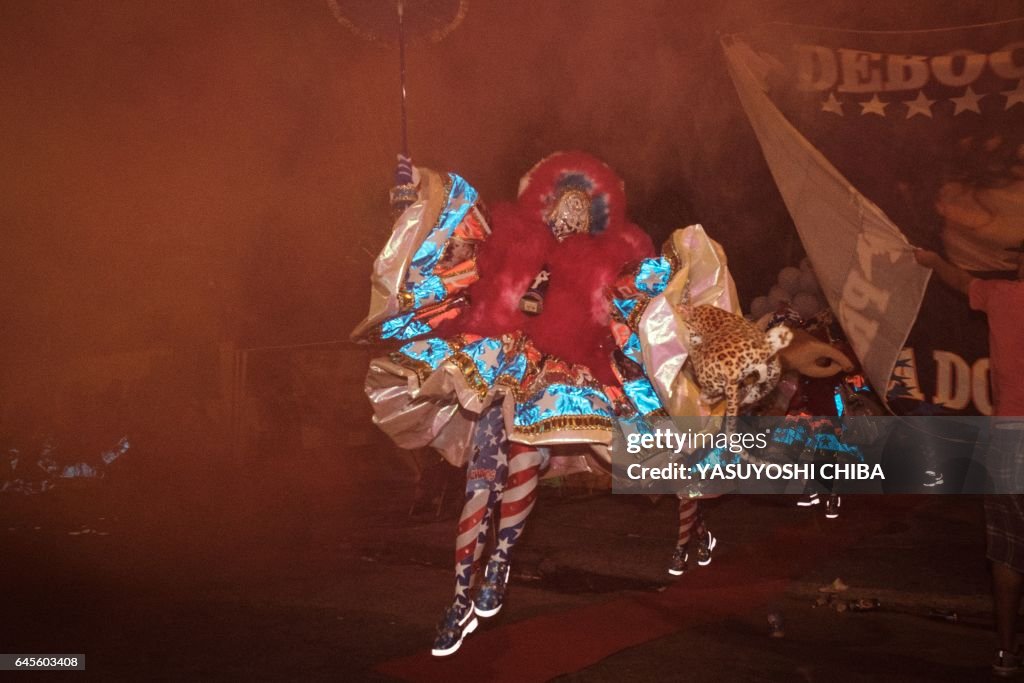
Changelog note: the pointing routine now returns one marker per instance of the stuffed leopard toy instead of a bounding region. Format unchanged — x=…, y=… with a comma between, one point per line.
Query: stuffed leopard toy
x=732, y=358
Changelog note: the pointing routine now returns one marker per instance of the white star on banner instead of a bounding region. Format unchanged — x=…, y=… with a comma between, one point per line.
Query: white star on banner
x=873, y=106
x=1015, y=96
x=967, y=102
x=919, y=105
x=832, y=105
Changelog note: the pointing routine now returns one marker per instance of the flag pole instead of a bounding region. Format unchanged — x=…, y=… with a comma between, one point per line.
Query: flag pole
x=404, y=192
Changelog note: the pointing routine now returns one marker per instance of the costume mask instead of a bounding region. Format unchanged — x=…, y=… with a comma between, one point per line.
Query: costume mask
x=570, y=214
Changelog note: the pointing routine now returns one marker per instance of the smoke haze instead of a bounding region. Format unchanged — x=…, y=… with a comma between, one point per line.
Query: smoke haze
x=206, y=171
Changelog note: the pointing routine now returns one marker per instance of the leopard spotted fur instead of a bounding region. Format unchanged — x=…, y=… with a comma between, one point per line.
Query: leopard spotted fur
x=732, y=358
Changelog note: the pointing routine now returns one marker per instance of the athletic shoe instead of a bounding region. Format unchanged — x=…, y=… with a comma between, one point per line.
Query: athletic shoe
x=808, y=500
x=680, y=561
x=457, y=623
x=705, y=545
x=491, y=595
x=1006, y=663
x=832, y=504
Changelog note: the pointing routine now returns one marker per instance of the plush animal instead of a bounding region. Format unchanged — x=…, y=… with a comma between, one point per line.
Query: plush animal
x=814, y=358
x=733, y=358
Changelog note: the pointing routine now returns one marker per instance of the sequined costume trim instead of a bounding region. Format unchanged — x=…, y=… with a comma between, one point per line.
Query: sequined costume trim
x=566, y=423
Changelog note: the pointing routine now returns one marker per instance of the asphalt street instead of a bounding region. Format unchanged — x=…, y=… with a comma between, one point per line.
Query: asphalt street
x=312, y=568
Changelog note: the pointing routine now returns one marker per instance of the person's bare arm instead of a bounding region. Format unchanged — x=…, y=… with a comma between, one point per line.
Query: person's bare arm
x=957, y=278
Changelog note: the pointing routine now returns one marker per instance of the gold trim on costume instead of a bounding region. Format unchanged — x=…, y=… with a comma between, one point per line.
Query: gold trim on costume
x=566, y=423
x=420, y=367
x=469, y=371
x=633, y=321
x=468, y=266
x=406, y=300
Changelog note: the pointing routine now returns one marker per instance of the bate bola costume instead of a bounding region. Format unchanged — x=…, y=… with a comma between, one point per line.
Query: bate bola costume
x=528, y=331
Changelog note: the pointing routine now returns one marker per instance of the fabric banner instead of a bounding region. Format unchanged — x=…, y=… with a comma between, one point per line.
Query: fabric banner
x=881, y=141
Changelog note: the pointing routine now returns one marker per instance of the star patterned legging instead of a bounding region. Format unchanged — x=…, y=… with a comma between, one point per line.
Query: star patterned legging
x=691, y=520
x=501, y=484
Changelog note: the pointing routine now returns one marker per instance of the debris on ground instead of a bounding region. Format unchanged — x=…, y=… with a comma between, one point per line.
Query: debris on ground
x=18, y=477
x=833, y=601
x=943, y=614
x=837, y=586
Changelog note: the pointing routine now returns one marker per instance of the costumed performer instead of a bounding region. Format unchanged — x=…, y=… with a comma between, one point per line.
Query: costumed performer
x=507, y=360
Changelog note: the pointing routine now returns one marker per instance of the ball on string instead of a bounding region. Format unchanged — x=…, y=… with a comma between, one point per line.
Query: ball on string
x=807, y=305
x=777, y=295
x=809, y=282
x=760, y=306
x=789, y=279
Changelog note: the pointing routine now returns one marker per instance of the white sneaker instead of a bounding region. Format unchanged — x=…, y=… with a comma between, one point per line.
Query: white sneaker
x=832, y=506
x=808, y=500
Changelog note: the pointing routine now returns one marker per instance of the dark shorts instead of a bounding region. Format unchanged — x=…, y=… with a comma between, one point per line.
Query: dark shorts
x=1004, y=514
x=1004, y=530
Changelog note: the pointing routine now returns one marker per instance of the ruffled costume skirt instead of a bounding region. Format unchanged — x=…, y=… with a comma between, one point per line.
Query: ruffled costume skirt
x=432, y=390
